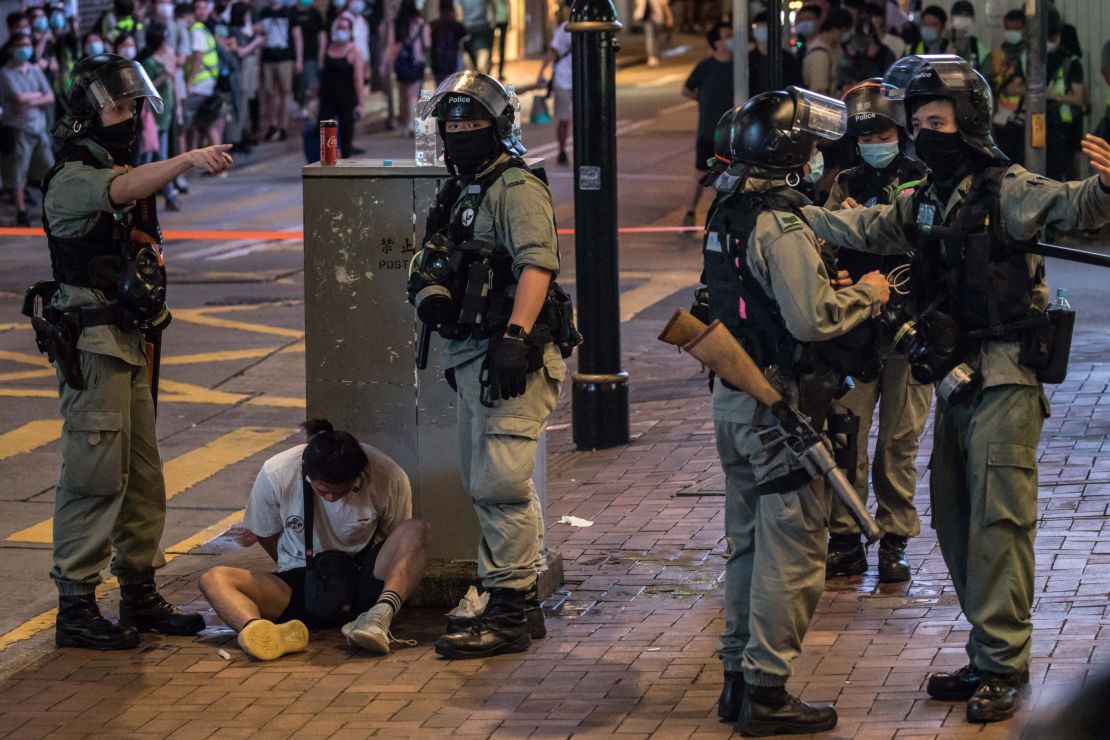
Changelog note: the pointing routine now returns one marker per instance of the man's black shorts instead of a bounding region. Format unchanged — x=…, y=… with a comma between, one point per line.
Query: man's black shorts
x=367, y=591
x=703, y=151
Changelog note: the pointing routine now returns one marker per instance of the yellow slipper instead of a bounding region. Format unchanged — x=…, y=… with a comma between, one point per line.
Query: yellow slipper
x=264, y=640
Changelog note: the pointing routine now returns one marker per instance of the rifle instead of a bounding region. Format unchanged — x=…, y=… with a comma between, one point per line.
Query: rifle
x=716, y=348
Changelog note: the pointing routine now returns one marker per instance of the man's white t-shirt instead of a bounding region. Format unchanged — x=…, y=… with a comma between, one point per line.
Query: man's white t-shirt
x=563, y=69
x=379, y=500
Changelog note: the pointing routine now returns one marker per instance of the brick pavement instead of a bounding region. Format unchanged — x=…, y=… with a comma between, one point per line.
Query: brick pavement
x=630, y=651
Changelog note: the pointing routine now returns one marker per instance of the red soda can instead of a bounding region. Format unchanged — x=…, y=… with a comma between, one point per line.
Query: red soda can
x=329, y=149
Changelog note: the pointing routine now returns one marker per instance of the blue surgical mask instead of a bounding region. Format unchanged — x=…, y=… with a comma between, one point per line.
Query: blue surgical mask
x=127, y=52
x=1012, y=37
x=357, y=6
x=879, y=155
x=816, y=167
x=306, y=3
x=41, y=24
x=929, y=34
x=58, y=21
x=341, y=37
x=24, y=53
x=805, y=28
x=94, y=48
x=339, y=3
x=759, y=33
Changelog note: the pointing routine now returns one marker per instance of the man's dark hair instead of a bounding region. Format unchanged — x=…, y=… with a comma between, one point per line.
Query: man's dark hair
x=814, y=9
x=1015, y=15
x=963, y=7
x=331, y=456
x=838, y=19
x=14, y=19
x=937, y=12
x=874, y=10
x=760, y=17
x=123, y=8
x=713, y=35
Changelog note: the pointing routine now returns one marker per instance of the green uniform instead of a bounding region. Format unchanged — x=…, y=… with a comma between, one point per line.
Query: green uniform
x=497, y=445
x=903, y=406
x=984, y=465
x=111, y=495
x=776, y=567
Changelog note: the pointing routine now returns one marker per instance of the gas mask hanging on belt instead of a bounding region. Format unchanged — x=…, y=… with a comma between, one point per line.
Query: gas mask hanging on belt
x=142, y=287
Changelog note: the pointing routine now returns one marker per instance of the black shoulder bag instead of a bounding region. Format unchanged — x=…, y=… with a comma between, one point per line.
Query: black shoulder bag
x=330, y=577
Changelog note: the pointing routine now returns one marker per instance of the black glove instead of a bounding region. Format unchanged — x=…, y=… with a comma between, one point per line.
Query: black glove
x=508, y=368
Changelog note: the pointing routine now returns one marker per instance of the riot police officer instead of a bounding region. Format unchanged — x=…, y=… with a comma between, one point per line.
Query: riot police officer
x=876, y=127
x=493, y=232
x=108, y=288
x=769, y=285
x=980, y=300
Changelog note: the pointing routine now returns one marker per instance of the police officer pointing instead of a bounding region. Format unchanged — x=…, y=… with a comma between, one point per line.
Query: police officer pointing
x=980, y=316
x=108, y=289
x=493, y=234
x=769, y=286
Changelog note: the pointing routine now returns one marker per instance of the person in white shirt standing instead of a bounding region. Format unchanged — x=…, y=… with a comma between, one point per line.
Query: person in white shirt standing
x=561, y=85
x=365, y=540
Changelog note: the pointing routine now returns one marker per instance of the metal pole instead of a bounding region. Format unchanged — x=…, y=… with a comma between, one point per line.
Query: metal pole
x=774, y=44
x=740, y=71
x=600, y=393
x=1036, y=27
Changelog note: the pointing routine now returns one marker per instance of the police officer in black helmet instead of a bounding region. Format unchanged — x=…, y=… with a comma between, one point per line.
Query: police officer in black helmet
x=767, y=283
x=494, y=219
x=980, y=312
x=108, y=288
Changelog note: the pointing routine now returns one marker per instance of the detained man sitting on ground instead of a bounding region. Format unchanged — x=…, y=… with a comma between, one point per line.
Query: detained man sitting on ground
x=368, y=552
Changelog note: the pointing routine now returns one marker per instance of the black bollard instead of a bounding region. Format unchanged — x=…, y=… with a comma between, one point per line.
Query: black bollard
x=600, y=394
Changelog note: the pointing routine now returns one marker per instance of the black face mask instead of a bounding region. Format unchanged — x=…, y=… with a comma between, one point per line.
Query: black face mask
x=118, y=139
x=470, y=151
x=945, y=154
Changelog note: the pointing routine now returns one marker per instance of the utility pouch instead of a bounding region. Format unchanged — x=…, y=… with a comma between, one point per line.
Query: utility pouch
x=1061, y=324
x=55, y=336
x=843, y=430
x=560, y=318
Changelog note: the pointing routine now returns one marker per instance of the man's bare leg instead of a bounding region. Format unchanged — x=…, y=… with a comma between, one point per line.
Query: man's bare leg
x=238, y=595
x=400, y=563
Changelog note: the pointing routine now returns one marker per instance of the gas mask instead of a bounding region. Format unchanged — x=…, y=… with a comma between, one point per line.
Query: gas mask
x=142, y=287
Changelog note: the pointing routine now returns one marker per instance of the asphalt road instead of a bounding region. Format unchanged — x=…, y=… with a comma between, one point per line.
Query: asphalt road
x=233, y=368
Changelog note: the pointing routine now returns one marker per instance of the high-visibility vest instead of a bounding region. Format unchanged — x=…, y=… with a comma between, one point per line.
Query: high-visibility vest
x=1059, y=85
x=210, y=62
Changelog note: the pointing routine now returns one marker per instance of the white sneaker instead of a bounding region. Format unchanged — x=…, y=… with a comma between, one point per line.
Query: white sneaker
x=370, y=630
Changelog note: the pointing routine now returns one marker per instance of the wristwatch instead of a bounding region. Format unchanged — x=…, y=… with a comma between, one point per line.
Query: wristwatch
x=516, y=331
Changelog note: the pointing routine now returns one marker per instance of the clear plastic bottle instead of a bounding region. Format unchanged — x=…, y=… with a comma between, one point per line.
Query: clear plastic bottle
x=1061, y=299
x=514, y=101
x=425, y=134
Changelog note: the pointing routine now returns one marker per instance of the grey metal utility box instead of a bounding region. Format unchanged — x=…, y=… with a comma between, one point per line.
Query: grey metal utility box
x=362, y=222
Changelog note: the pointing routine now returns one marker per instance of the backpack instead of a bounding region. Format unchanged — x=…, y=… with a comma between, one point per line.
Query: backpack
x=407, y=67
x=445, y=50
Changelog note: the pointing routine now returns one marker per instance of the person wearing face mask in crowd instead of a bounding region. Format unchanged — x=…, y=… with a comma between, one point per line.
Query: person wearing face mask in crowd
x=1065, y=99
x=19, y=24
x=865, y=55
x=67, y=49
x=360, y=27
x=759, y=69
x=976, y=292
x=876, y=126
x=933, y=41
x=806, y=21
x=119, y=19
x=248, y=46
x=964, y=42
x=768, y=284
x=506, y=368
x=822, y=62
x=1005, y=69
x=108, y=287
x=124, y=46
x=341, y=85
x=26, y=153
x=710, y=83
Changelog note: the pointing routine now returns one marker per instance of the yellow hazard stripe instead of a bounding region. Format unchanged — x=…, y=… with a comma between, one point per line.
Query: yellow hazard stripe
x=30, y=436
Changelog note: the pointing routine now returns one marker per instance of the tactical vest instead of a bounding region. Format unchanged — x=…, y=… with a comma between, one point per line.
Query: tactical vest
x=969, y=266
x=80, y=260
x=739, y=301
x=870, y=187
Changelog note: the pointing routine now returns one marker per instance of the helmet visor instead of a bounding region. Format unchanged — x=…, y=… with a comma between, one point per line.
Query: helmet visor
x=818, y=115
x=480, y=88
x=949, y=70
x=123, y=83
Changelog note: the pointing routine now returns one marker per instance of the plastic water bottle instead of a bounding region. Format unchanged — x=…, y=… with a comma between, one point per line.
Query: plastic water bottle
x=1061, y=299
x=514, y=101
x=425, y=134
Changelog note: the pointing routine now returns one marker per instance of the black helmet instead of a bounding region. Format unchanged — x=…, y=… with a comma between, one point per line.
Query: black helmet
x=920, y=78
x=468, y=96
x=869, y=111
x=99, y=81
x=777, y=130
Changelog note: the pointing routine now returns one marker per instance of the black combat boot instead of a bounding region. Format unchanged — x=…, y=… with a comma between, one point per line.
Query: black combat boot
x=893, y=566
x=769, y=710
x=997, y=698
x=501, y=628
x=142, y=607
x=846, y=556
x=962, y=684
x=732, y=697
x=533, y=612
x=79, y=624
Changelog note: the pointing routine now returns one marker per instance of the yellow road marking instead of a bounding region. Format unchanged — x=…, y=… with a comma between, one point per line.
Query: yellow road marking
x=27, y=375
x=224, y=356
x=31, y=435
x=45, y=621
x=187, y=470
x=16, y=326
x=28, y=393
x=25, y=358
x=201, y=317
